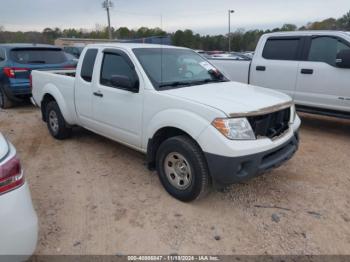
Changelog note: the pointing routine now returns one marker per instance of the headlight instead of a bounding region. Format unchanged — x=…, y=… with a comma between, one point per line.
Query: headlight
x=234, y=128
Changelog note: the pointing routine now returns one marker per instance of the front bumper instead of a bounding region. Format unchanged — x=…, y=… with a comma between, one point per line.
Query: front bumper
x=19, y=224
x=229, y=170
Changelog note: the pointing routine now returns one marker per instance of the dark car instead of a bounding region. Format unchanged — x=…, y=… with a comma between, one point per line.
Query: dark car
x=16, y=63
x=74, y=50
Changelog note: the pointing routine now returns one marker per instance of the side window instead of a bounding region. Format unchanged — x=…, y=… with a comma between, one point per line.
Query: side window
x=115, y=65
x=281, y=49
x=88, y=65
x=325, y=49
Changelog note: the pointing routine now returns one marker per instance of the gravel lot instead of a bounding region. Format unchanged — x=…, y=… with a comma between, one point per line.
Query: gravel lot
x=94, y=196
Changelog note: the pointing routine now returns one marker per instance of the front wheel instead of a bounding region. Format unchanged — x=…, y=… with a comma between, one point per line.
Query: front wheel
x=55, y=122
x=182, y=168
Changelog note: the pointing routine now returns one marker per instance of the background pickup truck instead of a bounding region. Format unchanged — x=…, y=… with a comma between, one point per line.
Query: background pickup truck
x=313, y=67
x=194, y=125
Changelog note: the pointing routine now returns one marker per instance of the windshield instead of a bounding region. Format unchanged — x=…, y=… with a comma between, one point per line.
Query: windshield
x=38, y=56
x=173, y=68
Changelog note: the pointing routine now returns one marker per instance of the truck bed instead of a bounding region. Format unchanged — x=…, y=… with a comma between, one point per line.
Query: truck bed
x=62, y=80
x=70, y=73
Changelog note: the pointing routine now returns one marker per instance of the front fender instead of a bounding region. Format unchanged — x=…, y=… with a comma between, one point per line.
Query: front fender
x=189, y=122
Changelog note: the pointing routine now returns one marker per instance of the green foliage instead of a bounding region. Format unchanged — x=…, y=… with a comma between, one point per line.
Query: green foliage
x=241, y=40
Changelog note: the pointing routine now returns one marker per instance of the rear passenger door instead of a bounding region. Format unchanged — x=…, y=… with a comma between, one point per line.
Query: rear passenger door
x=277, y=63
x=84, y=87
x=320, y=82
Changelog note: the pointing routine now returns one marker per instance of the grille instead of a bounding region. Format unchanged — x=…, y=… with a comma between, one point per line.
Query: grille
x=271, y=125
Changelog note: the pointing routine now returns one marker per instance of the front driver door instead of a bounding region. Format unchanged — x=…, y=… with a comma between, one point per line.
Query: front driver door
x=320, y=82
x=118, y=112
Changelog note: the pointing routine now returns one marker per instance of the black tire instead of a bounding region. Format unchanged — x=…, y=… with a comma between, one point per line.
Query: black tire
x=5, y=101
x=195, y=162
x=58, y=127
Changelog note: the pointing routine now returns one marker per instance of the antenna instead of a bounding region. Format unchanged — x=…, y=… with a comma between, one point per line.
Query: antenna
x=107, y=4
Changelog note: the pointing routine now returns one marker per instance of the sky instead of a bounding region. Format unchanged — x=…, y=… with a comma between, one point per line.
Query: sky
x=202, y=16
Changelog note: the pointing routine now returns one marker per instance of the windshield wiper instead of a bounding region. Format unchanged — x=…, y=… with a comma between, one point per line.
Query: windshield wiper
x=175, y=84
x=191, y=83
x=206, y=81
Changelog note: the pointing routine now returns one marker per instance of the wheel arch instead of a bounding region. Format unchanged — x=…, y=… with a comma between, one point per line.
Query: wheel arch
x=159, y=137
x=169, y=123
x=44, y=102
x=52, y=93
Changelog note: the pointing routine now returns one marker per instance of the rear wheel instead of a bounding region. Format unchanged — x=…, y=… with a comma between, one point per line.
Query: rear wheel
x=5, y=101
x=182, y=168
x=55, y=122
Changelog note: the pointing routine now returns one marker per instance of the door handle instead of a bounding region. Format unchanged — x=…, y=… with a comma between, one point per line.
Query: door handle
x=260, y=68
x=307, y=71
x=99, y=94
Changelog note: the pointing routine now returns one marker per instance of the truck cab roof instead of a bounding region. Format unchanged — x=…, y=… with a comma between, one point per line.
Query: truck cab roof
x=309, y=33
x=131, y=46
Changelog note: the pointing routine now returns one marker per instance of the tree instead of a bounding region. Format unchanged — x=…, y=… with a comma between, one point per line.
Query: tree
x=123, y=32
x=344, y=22
x=327, y=24
x=288, y=27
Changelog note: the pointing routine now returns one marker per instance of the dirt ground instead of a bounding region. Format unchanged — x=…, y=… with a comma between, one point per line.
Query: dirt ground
x=94, y=196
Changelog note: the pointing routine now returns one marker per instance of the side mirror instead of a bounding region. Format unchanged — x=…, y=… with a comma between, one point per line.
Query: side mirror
x=343, y=59
x=126, y=83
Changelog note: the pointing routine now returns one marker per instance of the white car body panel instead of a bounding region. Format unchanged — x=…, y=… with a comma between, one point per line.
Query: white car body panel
x=62, y=88
x=231, y=97
x=18, y=220
x=332, y=83
x=19, y=223
x=234, y=70
x=4, y=147
x=326, y=88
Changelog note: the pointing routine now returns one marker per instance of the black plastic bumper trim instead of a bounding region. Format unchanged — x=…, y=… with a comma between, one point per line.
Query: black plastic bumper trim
x=231, y=170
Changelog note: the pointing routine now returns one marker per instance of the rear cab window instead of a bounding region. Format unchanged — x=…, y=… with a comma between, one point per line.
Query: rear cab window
x=88, y=64
x=282, y=48
x=38, y=56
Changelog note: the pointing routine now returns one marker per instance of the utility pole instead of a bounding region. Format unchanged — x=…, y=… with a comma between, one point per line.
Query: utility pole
x=229, y=29
x=107, y=4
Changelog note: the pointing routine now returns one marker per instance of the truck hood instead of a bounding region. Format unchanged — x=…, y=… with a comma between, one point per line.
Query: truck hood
x=4, y=147
x=232, y=97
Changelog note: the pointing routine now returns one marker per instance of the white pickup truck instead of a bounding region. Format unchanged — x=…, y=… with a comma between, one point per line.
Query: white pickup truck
x=313, y=67
x=196, y=127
